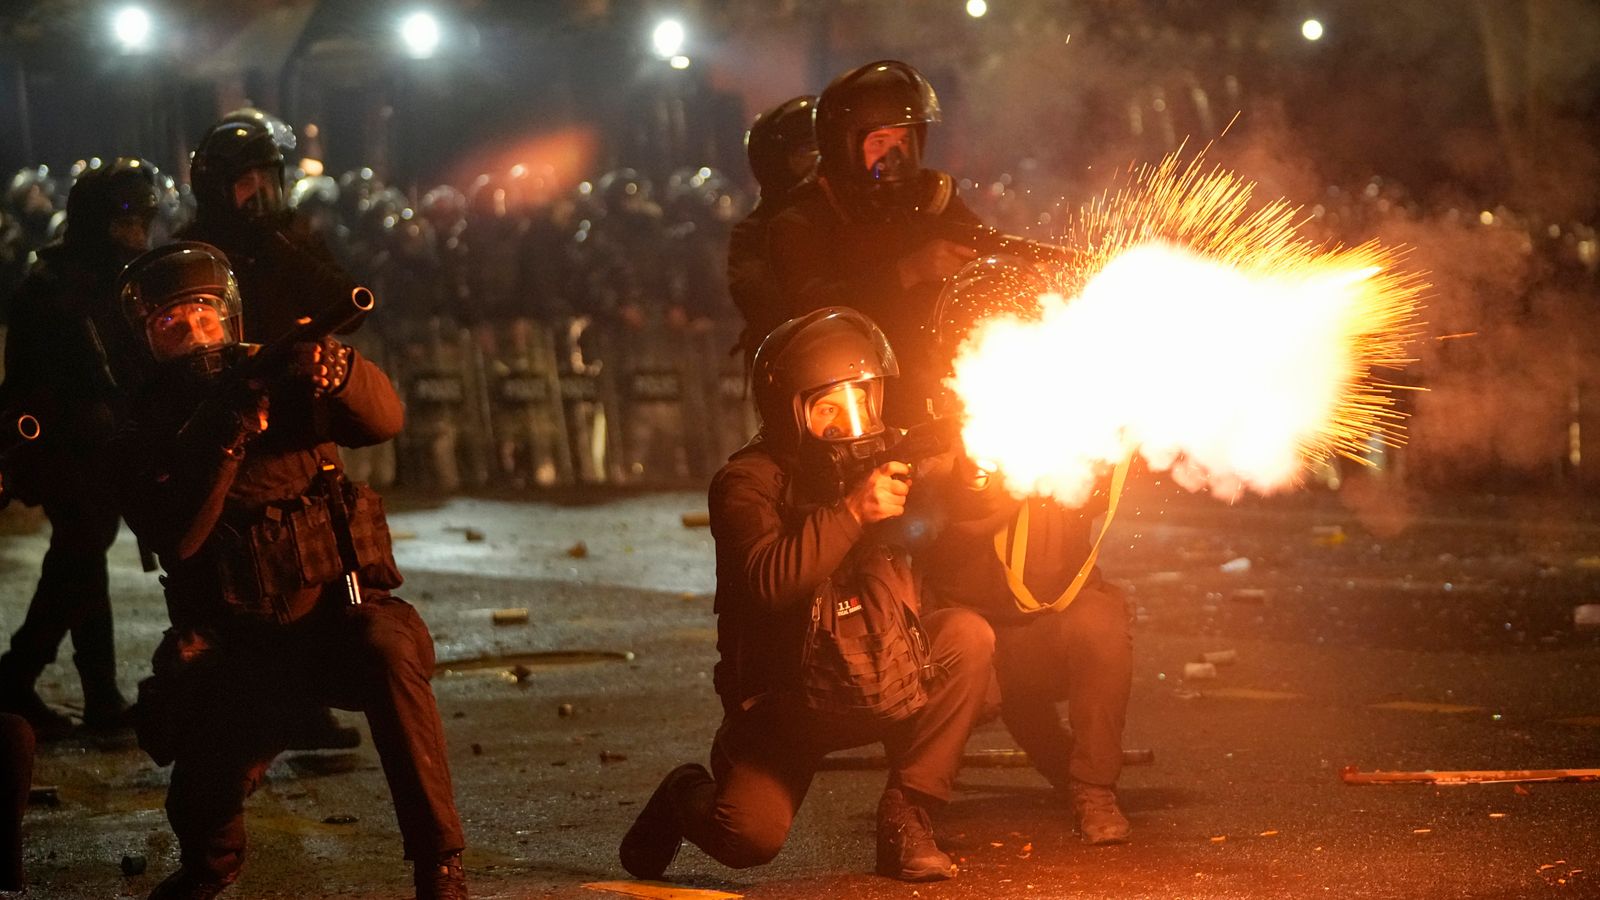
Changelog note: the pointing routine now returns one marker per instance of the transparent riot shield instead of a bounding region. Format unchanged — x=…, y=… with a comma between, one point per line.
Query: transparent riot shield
x=655, y=384
x=586, y=391
x=528, y=424
x=436, y=392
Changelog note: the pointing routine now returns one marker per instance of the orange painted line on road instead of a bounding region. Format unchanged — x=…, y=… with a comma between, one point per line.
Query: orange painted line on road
x=1414, y=706
x=658, y=890
x=1241, y=693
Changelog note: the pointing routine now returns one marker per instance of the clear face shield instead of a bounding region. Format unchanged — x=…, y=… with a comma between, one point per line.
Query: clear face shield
x=258, y=193
x=190, y=326
x=844, y=412
x=184, y=302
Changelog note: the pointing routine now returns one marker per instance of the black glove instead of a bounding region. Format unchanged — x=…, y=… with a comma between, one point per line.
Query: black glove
x=229, y=420
x=325, y=364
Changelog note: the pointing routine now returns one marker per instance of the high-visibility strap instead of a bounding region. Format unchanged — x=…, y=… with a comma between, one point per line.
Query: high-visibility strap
x=1011, y=547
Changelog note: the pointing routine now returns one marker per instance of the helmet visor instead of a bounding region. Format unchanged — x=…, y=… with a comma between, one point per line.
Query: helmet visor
x=196, y=323
x=181, y=299
x=845, y=411
x=258, y=192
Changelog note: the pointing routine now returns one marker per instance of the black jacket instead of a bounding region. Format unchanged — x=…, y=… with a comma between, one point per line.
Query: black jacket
x=772, y=554
x=184, y=495
x=65, y=346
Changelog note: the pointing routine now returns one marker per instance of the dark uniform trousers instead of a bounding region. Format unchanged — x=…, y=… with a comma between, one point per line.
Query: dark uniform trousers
x=16, y=777
x=376, y=658
x=72, y=594
x=1083, y=655
x=763, y=759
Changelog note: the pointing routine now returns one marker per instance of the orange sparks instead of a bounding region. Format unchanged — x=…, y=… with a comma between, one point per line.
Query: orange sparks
x=1205, y=335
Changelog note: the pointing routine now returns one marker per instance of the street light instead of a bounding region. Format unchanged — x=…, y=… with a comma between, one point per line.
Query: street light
x=977, y=8
x=132, y=27
x=420, y=33
x=1311, y=30
x=668, y=38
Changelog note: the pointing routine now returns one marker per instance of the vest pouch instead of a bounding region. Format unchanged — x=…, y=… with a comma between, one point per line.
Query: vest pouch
x=864, y=656
x=369, y=535
x=316, y=559
x=237, y=578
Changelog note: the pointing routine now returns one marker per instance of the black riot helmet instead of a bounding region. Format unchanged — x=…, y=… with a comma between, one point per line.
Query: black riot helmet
x=1000, y=284
x=356, y=189
x=782, y=145
x=247, y=142
x=445, y=208
x=182, y=303
x=702, y=195
x=31, y=199
x=30, y=185
x=884, y=94
x=623, y=190
x=315, y=194
x=818, y=385
x=112, y=205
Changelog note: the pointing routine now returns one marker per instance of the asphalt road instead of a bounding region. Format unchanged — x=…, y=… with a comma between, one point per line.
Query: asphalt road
x=1370, y=629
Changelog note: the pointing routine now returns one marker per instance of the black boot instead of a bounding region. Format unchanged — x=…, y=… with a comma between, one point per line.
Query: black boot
x=184, y=885
x=319, y=729
x=649, y=846
x=104, y=708
x=906, y=849
x=441, y=880
x=18, y=697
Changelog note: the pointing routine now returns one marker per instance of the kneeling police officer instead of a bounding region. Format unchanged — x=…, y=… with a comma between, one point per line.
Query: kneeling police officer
x=786, y=524
x=278, y=572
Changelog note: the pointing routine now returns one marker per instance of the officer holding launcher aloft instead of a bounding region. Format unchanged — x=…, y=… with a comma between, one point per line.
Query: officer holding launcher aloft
x=278, y=569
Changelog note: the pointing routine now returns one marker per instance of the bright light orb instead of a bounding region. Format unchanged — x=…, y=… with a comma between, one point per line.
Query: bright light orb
x=668, y=38
x=421, y=34
x=976, y=8
x=679, y=62
x=132, y=26
x=1311, y=30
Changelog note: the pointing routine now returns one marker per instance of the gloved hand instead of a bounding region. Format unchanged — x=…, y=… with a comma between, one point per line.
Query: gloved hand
x=238, y=416
x=326, y=365
x=936, y=260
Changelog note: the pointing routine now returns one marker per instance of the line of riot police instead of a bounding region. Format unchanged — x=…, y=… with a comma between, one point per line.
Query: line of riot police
x=540, y=339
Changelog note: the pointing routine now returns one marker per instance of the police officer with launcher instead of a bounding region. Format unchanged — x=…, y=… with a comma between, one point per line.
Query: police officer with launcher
x=789, y=514
x=278, y=571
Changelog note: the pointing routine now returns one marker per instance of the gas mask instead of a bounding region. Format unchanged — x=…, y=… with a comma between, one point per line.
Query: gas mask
x=841, y=430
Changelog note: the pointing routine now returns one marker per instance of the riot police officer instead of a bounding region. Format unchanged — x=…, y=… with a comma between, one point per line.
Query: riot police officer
x=31, y=201
x=1062, y=631
x=782, y=149
x=27, y=213
x=239, y=171
x=61, y=352
x=703, y=205
x=786, y=518
x=278, y=572
x=240, y=176
x=874, y=228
